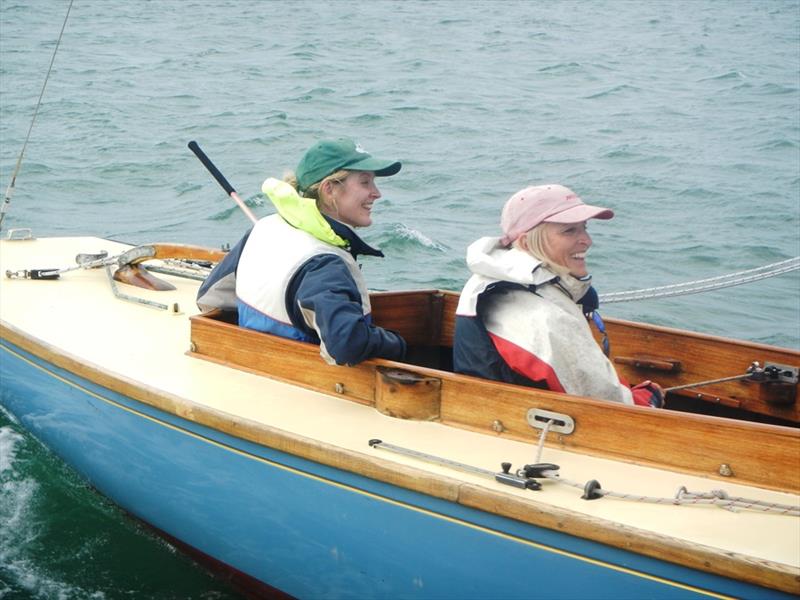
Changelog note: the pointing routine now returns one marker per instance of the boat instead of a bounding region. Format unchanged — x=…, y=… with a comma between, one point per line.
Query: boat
x=399, y=479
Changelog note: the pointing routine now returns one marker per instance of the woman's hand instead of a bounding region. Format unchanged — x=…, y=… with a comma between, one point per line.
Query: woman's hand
x=657, y=395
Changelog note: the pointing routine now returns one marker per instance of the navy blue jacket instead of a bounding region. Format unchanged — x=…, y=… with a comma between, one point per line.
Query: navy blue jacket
x=324, y=285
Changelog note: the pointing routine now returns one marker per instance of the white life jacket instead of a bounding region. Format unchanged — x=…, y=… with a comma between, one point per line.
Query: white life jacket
x=272, y=255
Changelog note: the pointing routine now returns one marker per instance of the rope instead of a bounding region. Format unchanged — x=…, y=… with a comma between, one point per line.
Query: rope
x=10, y=189
x=705, y=285
x=682, y=497
x=542, y=436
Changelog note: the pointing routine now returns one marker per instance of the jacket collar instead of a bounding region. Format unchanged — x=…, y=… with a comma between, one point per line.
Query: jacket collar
x=302, y=213
x=355, y=245
x=488, y=258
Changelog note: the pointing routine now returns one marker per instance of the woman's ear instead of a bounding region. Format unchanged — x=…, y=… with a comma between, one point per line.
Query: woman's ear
x=327, y=198
x=326, y=188
x=522, y=242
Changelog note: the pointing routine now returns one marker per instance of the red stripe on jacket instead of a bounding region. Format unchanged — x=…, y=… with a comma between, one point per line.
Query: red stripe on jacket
x=525, y=363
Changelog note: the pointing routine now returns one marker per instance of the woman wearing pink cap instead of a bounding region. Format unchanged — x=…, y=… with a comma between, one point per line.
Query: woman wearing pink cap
x=522, y=316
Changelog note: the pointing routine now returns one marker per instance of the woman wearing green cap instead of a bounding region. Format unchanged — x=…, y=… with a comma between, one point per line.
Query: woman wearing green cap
x=297, y=276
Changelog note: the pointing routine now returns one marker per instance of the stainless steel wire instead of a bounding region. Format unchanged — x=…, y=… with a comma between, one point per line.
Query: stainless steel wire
x=705, y=285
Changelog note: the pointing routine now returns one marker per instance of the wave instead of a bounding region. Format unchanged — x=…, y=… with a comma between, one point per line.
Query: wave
x=727, y=76
x=9, y=444
x=366, y=118
x=305, y=55
x=699, y=192
x=402, y=237
x=565, y=67
x=778, y=144
x=20, y=572
x=623, y=152
x=410, y=108
x=777, y=89
x=554, y=140
x=188, y=188
x=617, y=89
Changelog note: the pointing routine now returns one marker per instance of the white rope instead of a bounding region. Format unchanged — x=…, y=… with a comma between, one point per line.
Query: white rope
x=542, y=436
x=682, y=497
x=705, y=285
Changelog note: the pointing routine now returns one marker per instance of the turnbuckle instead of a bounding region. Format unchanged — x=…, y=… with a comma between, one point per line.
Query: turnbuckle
x=34, y=274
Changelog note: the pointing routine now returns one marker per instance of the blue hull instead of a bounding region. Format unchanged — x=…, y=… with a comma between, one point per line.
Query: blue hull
x=312, y=530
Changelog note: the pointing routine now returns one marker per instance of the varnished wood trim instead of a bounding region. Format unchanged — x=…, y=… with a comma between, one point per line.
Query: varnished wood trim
x=671, y=357
x=406, y=395
x=285, y=360
x=644, y=362
x=683, y=442
x=680, y=442
x=704, y=357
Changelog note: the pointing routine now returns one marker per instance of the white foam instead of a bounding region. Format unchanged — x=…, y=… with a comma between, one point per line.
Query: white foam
x=412, y=234
x=20, y=529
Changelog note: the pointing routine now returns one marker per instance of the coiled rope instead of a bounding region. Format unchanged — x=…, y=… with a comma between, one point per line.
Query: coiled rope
x=10, y=189
x=705, y=285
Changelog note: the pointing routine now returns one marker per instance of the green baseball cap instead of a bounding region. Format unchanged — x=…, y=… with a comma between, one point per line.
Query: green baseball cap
x=328, y=156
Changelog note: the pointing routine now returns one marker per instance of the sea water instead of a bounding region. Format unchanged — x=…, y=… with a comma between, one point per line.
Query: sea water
x=682, y=116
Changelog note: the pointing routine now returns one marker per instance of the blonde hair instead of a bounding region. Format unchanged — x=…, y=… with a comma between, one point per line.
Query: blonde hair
x=536, y=241
x=313, y=191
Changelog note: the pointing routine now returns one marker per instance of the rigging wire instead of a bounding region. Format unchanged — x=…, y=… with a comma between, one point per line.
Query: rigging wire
x=10, y=189
x=705, y=285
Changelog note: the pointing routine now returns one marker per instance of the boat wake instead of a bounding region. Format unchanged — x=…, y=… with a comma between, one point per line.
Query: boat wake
x=22, y=573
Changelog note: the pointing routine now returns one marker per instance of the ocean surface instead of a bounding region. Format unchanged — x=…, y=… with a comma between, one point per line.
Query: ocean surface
x=682, y=116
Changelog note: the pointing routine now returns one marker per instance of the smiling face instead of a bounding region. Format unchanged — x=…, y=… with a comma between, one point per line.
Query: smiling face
x=566, y=244
x=350, y=199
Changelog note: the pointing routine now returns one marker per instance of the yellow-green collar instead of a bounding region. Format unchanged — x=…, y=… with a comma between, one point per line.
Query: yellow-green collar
x=300, y=212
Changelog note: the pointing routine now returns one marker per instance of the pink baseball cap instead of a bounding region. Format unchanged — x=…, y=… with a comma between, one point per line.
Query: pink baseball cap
x=551, y=203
